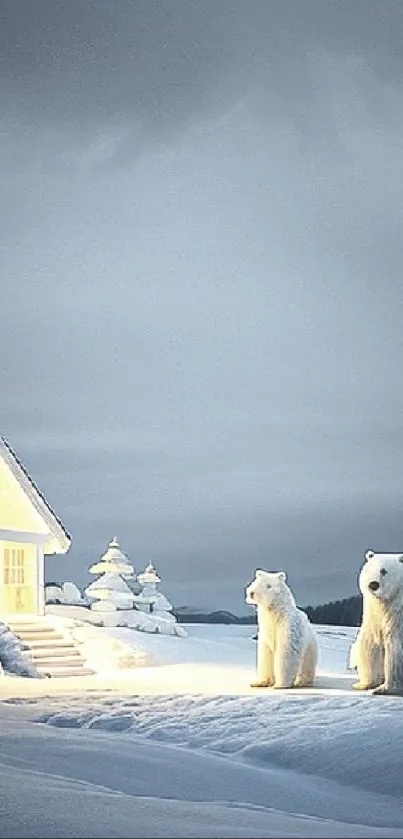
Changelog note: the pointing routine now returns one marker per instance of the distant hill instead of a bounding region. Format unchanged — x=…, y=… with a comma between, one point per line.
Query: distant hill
x=347, y=612
x=184, y=614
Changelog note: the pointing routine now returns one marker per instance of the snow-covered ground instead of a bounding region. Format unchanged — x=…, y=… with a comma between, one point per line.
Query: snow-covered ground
x=183, y=747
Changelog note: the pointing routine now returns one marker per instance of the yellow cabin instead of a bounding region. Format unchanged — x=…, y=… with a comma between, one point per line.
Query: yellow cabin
x=29, y=529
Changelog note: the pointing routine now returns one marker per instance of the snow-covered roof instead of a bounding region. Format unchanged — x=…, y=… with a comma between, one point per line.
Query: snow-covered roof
x=58, y=531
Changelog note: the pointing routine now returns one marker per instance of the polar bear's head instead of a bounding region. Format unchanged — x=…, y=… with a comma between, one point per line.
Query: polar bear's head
x=267, y=588
x=381, y=575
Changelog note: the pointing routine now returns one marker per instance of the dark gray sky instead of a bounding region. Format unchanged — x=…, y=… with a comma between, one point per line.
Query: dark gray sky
x=201, y=295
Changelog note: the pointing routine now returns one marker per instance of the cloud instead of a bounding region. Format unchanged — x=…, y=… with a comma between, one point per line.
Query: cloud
x=200, y=281
x=149, y=69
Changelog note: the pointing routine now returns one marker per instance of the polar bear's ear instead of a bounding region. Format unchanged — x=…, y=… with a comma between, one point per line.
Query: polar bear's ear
x=369, y=555
x=282, y=576
x=259, y=572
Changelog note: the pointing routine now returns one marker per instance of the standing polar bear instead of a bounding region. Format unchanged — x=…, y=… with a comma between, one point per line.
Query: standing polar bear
x=377, y=652
x=287, y=650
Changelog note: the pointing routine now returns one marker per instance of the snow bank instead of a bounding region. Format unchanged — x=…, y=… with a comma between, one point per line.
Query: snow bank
x=163, y=624
x=321, y=762
x=333, y=737
x=103, y=653
x=157, y=623
x=136, y=788
x=14, y=658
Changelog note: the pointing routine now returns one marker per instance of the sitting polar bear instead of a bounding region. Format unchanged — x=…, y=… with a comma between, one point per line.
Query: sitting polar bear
x=377, y=652
x=287, y=650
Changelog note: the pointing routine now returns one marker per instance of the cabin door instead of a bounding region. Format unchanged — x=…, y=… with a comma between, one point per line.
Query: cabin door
x=19, y=579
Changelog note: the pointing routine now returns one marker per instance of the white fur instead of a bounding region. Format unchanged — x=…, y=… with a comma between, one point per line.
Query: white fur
x=287, y=650
x=377, y=652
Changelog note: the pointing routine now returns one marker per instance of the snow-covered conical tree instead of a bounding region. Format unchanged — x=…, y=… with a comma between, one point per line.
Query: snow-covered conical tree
x=150, y=600
x=112, y=585
x=148, y=580
x=113, y=561
x=113, y=588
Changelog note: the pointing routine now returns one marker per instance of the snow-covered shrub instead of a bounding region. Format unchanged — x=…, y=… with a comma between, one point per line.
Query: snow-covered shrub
x=14, y=658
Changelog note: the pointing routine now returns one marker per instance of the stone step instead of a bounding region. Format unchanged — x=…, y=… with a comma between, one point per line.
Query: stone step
x=31, y=627
x=44, y=643
x=30, y=638
x=55, y=652
x=65, y=673
x=51, y=652
x=59, y=663
x=31, y=621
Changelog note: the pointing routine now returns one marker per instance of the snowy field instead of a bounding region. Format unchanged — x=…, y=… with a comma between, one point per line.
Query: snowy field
x=183, y=747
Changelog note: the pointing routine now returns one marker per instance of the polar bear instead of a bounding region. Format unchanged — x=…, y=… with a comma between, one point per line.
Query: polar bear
x=377, y=652
x=287, y=649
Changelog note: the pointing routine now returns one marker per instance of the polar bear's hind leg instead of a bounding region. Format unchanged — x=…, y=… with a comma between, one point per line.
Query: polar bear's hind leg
x=306, y=675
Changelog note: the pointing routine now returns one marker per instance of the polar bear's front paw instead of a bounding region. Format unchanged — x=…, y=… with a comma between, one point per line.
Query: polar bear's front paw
x=383, y=690
x=362, y=686
x=262, y=683
x=303, y=683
